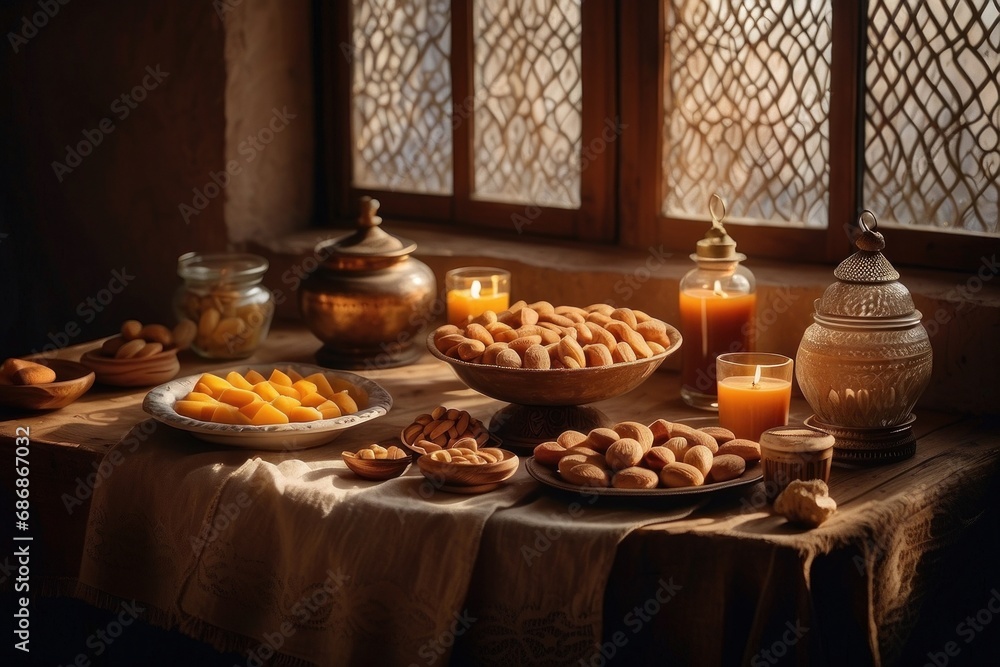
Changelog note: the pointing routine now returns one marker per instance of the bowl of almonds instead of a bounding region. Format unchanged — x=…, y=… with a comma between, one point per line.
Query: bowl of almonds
x=544, y=355
x=467, y=468
x=548, y=362
x=442, y=428
x=141, y=355
x=377, y=462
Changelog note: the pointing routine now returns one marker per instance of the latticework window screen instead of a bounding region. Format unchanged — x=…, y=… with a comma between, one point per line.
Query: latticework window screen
x=745, y=109
x=401, y=95
x=525, y=106
x=932, y=113
x=528, y=92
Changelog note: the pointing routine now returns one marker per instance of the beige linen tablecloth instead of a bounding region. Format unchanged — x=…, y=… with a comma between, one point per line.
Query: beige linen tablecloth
x=283, y=553
x=289, y=558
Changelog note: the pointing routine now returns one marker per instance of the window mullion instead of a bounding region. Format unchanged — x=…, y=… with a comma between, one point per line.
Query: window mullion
x=847, y=94
x=463, y=109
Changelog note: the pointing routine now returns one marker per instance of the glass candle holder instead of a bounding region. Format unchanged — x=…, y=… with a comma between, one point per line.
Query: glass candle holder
x=794, y=452
x=471, y=290
x=755, y=391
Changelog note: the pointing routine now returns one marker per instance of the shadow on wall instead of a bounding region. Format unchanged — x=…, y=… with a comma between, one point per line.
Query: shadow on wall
x=116, y=111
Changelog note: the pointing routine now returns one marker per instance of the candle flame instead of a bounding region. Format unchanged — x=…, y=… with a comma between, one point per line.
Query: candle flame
x=756, y=377
x=475, y=289
x=717, y=289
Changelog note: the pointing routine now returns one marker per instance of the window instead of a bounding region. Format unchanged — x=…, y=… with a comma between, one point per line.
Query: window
x=618, y=120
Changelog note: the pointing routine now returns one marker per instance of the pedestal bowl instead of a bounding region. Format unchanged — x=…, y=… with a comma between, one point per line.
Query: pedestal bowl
x=544, y=403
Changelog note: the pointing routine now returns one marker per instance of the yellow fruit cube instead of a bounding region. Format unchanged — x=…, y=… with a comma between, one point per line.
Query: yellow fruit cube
x=344, y=401
x=359, y=395
x=202, y=388
x=323, y=385
x=215, y=383
x=199, y=396
x=301, y=413
x=195, y=409
x=304, y=387
x=228, y=414
x=238, y=397
x=329, y=410
x=313, y=400
x=253, y=377
x=238, y=381
x=285, y=403
x=284, y=390
x=278, y=377
x=266, y=391
x=267, y=415
x=250, y=409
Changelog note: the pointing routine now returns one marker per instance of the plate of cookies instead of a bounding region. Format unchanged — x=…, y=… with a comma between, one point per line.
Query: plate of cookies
x=631, y=458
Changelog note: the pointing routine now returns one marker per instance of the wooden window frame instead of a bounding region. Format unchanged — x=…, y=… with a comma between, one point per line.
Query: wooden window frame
x=594, y=220
x=640, y=185
x=621, y=189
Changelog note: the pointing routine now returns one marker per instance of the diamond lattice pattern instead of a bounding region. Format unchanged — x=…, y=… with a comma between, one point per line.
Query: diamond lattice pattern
x=746, y=104
x=932, y=114
x=527, y=96
x=401, y=95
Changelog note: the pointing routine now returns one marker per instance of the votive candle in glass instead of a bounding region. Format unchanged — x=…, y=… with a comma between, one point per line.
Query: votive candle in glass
x=471, y=290
x=755, y=391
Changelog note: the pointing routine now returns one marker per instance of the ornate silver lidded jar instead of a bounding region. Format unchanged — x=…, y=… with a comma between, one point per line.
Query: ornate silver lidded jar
x=370, y=301
x=866, y=359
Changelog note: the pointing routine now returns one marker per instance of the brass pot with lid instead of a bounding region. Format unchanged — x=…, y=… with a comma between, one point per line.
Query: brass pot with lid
x=370, y=301
x=866, y=359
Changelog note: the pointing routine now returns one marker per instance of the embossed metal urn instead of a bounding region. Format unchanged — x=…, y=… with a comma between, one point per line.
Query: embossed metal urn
x=866, y=359
x=370, y=301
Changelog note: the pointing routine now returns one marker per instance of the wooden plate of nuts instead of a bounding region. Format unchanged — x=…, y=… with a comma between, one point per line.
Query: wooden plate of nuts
x=659, y=459
x=140, y=355
x=465, y=468
x=377, y=462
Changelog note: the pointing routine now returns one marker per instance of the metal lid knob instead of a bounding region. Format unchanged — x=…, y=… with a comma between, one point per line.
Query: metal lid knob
x=717, y=244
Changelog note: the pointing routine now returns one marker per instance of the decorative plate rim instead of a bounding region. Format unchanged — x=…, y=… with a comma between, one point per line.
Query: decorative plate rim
x=159, y=402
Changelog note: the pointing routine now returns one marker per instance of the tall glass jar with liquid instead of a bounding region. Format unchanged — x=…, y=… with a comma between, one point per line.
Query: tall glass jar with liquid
x=718, y=305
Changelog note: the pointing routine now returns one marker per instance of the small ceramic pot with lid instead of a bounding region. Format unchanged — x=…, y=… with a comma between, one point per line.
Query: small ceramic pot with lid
x=866, y=359
x=370, y=302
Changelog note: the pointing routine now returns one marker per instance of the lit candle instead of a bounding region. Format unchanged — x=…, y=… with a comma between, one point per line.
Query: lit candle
x=713, y=322
x=751, y=404
x=474, y=290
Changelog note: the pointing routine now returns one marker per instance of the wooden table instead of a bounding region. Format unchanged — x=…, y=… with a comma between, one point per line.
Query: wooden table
x=855, y=591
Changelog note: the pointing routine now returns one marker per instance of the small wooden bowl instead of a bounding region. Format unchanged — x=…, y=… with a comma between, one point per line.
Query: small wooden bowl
x=376, y=469
x=468, y=478
x=72, y=381
x=133, y=372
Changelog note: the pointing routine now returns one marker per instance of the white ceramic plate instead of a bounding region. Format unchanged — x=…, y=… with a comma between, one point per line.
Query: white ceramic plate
x=159, y=403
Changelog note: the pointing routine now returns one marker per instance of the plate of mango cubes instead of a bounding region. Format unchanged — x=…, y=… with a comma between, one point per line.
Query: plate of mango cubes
x=282, y=406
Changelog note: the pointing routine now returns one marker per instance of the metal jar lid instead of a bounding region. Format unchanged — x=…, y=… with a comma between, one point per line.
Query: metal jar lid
x=718, y=245
x=868, y=286
x=368, y=247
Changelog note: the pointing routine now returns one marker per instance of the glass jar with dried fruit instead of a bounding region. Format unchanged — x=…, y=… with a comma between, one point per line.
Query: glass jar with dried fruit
x=223, y=296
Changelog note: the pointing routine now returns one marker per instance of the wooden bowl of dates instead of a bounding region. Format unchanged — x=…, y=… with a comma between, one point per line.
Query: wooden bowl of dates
x=71, y=381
